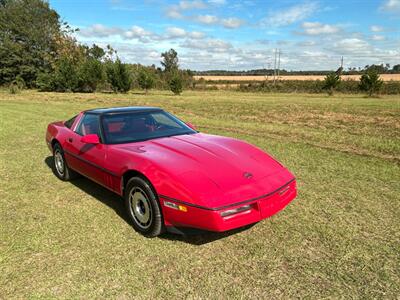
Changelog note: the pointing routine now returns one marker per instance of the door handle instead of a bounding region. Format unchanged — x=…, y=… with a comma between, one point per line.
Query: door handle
x=70, y=140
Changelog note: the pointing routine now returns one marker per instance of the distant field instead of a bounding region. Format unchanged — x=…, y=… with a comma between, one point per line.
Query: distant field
x=385, y=77
x=339, y=239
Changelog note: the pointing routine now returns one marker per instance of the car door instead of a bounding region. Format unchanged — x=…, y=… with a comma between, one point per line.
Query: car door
x=87, y=159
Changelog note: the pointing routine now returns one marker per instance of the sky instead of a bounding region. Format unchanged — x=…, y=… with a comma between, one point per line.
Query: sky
x=241, y=35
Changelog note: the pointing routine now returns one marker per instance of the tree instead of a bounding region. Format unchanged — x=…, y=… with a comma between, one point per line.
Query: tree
x=331, y=81
x=175, y=84
x=145, y=79
x=370, y=82
x=76, y=70
x=118, y=76
x=91, y=74
x=396, y=68
x=96, y=52
x=90, y=68
x=64, y=78
x=170, y=61
x=380, y=69
x=29, y=31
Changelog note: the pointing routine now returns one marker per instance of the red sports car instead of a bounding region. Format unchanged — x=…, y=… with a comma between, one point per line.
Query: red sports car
x=170, y=175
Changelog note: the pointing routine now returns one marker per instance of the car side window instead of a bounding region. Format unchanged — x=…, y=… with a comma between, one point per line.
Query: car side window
x=69, y=123
x=90, y=124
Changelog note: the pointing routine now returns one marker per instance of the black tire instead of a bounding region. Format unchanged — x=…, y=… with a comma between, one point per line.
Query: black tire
x=143, y=207
x=60, y=166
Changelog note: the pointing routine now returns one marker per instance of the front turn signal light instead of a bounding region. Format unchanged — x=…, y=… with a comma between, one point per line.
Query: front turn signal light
x=175, y=206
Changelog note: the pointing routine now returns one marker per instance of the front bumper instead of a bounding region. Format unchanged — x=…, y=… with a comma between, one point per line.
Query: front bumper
x=210, y=218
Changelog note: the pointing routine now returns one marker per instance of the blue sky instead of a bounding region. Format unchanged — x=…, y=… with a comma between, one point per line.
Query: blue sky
x=240, y=35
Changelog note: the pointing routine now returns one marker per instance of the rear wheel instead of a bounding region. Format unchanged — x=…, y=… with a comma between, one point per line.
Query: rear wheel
x=143, y=208
x=61, y=168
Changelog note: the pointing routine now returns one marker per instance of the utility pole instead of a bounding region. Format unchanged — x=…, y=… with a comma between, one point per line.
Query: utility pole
x=269, y=68
x=341, y=62
x=274, y=65
x=279, y=61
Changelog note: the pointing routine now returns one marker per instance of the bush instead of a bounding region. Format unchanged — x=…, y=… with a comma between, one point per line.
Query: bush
x=16, y=85
x=145, y=80
x=312, y=86
x=292, y=86
x=370, y=82
x=45, y=82
x=331, y=81
x=175, y=84
x=391, y=87
x=118, y=76
x=20, y=82
x=13, y=88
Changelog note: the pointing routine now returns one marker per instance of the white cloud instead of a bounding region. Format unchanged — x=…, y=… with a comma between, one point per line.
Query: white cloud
x=99, y=30
x=352, y=46
x=391, y=6
x=263, y=41
x=197, y=35
x=290, y=15
x=306, y=43
x=376, y=28
x=196, y=4
x=139, y=33
x=217, y=2
x=137, y=54
x=209, y=44
x=177, y=12
x=173, y=13
x=207, y=19
x=232, y=22
x=175, y=32
x=377, y=37
x=316, y=28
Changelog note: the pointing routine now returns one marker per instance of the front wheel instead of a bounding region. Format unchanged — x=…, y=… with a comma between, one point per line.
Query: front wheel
x=143, y=207
x=61, y=168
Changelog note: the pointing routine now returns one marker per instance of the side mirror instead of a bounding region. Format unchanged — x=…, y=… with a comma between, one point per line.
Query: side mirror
x=90, y=139
x=191, y=126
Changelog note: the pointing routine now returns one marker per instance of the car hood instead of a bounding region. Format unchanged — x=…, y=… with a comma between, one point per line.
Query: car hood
x=215, y=170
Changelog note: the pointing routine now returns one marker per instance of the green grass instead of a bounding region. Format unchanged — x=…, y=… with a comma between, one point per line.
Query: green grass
x=339, y=238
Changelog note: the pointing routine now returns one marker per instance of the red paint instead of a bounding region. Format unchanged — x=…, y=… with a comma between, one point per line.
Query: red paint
x=90, y=139
x=207, y=173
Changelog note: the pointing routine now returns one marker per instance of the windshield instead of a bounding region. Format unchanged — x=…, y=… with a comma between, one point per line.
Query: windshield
x=139, y=126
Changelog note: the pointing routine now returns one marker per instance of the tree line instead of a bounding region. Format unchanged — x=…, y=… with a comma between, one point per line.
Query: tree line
x=381, y=69
x=37, y=50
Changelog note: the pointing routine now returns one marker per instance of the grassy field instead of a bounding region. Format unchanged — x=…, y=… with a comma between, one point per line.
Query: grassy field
x=339, y=238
